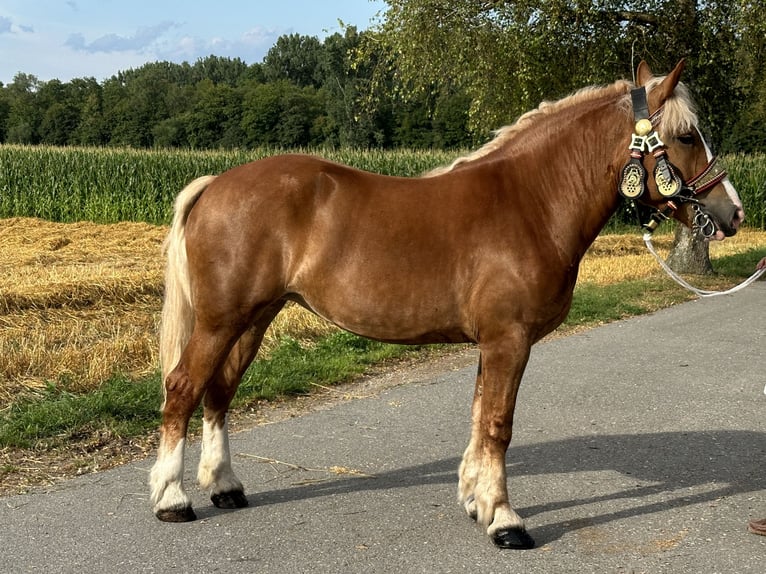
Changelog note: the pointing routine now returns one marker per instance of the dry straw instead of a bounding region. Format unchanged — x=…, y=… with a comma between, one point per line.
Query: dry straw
x=80, y=302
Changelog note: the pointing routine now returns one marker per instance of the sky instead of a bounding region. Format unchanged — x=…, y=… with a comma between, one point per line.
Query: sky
x=69, y=39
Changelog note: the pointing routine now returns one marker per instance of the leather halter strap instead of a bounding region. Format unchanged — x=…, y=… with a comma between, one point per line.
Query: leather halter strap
x=640, y=104
x=710, y=176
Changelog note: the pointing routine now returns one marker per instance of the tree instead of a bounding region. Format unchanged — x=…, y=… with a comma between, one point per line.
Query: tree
x=294, y=58
x=507, y=56
x=5, y=110
x=215, y=116
x=299, y=125
x=90, y=128
x=229, y=71
x=60, y=112
x=24, y=114
x=748, y=131
x=261, y=113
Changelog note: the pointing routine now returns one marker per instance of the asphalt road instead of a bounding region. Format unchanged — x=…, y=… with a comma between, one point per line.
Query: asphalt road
x=638, y=447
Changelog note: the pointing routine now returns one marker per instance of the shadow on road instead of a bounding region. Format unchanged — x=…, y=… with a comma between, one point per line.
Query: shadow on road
x=667, y=470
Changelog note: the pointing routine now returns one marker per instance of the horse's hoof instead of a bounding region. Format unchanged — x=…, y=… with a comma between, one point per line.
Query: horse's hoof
x=232, y=499
x=182, y=515
x=513, y=538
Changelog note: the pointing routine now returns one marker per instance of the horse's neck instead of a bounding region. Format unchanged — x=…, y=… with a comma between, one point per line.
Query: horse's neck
x=577, y=177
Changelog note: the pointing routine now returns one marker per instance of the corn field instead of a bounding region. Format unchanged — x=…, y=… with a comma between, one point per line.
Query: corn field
x=108, y=185
x=748, y=174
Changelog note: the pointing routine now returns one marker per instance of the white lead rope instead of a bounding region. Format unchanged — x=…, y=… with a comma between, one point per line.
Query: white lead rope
x=701, y=292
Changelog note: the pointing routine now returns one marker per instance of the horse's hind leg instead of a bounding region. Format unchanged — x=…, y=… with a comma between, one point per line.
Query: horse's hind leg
x=215, y=473
x=184, y=387
x=483, y=485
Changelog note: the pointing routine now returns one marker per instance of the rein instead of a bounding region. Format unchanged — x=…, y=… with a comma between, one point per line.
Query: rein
x=700, y=292
x=632, y=185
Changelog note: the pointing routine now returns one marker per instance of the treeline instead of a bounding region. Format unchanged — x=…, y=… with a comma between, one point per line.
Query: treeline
x=305, y=93
x=408, y=83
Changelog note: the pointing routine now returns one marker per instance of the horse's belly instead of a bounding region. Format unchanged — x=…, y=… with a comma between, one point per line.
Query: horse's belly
x=389, y=319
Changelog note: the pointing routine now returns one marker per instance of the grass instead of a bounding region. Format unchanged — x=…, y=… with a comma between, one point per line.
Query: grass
x=127, y=408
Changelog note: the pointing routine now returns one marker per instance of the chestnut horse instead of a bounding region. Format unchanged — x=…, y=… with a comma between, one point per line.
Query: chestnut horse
x=485, y=251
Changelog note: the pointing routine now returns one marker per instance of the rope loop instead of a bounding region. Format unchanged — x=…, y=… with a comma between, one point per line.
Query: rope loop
x=700, y=292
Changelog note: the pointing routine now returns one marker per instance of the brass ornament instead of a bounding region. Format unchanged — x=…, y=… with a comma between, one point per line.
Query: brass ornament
x=644, y=127
x=632, y=180
x=668, y=183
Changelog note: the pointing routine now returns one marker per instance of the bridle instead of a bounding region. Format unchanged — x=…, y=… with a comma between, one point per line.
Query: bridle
x=670, y=186
x=632, y=184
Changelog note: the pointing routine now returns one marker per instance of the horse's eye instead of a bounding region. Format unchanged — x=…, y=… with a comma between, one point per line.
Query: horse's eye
x=686, y=139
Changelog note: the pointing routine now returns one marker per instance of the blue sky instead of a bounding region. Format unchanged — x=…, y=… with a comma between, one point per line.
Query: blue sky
x=68, y=39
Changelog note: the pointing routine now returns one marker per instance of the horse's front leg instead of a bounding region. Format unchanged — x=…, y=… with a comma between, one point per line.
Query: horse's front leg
x=483, y=487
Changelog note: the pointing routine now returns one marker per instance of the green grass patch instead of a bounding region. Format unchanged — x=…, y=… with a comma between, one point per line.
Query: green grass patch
x=295, y=369
x=129, y=408
x=594, y=304
x=125, y=407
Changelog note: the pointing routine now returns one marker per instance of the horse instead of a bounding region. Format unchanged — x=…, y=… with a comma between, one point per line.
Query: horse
x=484, y=251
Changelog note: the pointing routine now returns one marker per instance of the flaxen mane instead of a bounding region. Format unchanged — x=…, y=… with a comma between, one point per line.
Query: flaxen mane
x=679, y=116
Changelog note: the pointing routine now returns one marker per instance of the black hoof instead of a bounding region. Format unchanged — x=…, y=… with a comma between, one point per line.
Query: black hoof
x=233, y=499
x=513, y=538
x=182, y=515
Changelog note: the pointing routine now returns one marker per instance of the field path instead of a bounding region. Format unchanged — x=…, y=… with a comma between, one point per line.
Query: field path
x=639, y=447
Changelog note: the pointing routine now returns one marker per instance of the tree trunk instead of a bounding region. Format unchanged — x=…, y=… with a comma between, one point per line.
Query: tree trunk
x=690, y=253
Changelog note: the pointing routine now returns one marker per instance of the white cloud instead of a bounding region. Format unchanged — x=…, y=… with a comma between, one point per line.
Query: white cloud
x=251, y=46
x=7, y=26
x=142, y=41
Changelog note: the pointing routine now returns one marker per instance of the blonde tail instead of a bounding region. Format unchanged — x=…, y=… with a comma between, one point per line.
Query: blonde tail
x=177, y=311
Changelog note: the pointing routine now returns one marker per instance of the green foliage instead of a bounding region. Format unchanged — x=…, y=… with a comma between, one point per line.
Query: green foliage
x=297, y=369
x=430, y=74
x=509, y=56
x=110, y=185
x=124, y=407
x=747, y=173
x=305, y=93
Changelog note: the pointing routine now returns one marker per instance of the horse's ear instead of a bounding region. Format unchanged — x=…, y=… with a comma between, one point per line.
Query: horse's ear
x=665, y=88
x=643, y=74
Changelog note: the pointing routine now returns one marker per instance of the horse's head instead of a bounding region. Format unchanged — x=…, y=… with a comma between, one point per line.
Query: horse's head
x=684, y=180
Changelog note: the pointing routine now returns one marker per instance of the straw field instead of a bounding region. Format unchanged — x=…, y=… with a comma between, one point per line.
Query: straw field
x=80, y=302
